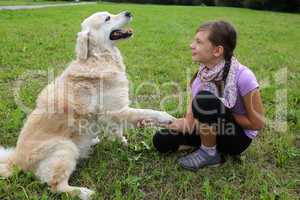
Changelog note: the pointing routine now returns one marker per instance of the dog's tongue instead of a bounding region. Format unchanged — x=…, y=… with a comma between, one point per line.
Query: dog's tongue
x=121, y=33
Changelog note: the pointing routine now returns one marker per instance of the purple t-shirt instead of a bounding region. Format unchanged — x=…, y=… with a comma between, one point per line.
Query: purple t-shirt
x=246, y=82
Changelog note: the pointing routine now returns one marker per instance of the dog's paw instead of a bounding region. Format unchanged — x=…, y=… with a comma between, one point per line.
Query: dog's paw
x=86, y=194
x=146, y=123
x=159, y=119
x=5, y=171
x=124, y=141
x=95, y=141
x=164, y=118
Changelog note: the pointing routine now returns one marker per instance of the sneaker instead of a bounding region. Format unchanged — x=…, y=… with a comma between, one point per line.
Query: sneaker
x=199, y=159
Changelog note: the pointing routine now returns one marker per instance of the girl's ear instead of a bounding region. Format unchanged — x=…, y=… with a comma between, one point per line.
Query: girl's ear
x=82, y=45
x=218, y=51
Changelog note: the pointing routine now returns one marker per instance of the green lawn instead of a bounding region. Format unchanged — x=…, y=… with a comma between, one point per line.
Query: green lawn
x=28, y=2
x=268, y=43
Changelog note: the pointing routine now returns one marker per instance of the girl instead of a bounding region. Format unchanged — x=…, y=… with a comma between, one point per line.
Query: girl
x=225, y=111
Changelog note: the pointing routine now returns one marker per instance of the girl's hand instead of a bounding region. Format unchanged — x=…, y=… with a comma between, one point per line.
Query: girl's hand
x=182, y=125
x=177, y=125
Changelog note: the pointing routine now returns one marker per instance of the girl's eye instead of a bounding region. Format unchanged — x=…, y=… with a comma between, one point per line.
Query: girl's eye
x=107, y=18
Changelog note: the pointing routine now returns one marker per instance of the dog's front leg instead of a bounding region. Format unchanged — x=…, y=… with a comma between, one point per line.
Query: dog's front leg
x=117, y=133
x=134, y=116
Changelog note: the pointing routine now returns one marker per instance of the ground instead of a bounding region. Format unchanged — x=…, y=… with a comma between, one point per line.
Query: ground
x=159, y=54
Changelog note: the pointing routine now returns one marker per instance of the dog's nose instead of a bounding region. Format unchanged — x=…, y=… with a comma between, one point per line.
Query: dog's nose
x=128, y=14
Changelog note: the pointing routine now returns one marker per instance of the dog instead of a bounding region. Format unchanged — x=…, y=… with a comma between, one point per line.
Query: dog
x=93, y=89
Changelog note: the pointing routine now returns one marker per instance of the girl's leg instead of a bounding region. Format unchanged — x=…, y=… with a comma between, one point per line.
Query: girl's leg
x=206, y=110
x=164, y=141
x=214, y=120
x=210, y=114
x=233, y=144
x=228, y=136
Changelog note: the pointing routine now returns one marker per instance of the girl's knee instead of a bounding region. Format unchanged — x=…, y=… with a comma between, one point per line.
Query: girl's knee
x=206, y=107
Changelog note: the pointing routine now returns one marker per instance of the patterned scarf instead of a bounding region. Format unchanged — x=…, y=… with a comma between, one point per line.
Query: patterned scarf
x=209, y=77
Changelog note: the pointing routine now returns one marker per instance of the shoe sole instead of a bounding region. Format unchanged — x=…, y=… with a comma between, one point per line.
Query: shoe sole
x=196, y=169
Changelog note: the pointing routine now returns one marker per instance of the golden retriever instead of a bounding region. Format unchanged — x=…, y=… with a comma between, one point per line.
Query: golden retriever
x=92, y=90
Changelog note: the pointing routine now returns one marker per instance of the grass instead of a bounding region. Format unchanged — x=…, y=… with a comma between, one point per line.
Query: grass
x=28, y=2
x=44, y=39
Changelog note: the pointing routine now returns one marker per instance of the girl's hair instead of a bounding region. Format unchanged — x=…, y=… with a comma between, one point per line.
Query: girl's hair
x=224, y=34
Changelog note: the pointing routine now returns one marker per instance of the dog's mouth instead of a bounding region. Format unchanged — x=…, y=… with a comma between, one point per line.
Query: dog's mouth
x=121, y=34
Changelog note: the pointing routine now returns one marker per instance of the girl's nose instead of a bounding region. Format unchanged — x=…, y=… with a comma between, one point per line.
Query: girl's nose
x=192, y=45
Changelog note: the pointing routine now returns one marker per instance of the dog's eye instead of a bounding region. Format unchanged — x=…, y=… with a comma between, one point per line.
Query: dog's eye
x=107, y=18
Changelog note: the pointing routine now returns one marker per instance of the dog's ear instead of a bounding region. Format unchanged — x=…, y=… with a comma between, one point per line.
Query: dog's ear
x=82, y=45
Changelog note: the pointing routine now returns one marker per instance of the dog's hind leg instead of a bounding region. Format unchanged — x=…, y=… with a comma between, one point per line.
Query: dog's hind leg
x=82, y=192
x=58, y=166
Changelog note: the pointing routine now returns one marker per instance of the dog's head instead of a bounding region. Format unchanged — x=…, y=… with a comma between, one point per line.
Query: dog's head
x=102, y=29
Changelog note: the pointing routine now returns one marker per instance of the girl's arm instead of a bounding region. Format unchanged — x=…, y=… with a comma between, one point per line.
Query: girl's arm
x=186, y=124
x=189, y=114
x=189, y=121
x=254, y=119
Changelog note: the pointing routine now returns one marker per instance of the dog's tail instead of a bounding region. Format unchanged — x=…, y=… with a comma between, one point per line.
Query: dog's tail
x=6, y=161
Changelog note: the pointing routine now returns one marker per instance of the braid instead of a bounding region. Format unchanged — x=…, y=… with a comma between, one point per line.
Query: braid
x=225, y=73
x=193, y=78
x=227, y=67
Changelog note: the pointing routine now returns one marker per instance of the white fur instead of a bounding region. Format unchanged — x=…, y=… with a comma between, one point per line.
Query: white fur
x=82, y=45
x=5, y=154
x=93, y=89
x=5, y=164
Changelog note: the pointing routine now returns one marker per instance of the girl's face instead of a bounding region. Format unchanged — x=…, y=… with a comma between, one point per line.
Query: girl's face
x=203, y=50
